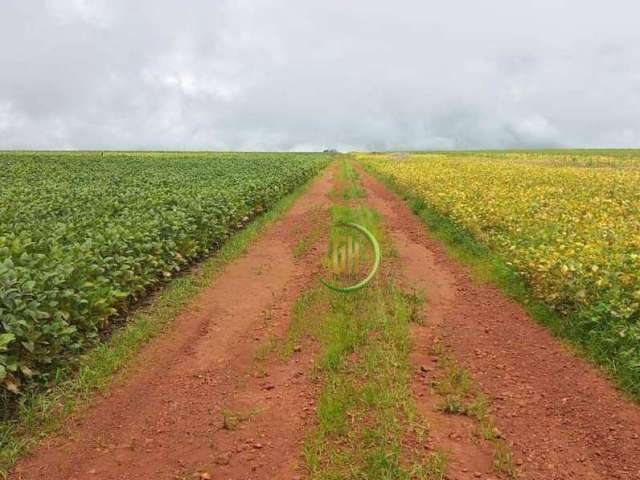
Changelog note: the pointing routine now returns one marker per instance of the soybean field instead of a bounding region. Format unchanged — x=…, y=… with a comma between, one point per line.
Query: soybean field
x=567, y=222
x=83, y=234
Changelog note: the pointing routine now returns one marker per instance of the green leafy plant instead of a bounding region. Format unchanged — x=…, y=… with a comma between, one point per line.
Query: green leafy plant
x=83, y=236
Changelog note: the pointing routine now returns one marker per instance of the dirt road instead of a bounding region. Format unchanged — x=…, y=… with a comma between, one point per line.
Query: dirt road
x=182, y=411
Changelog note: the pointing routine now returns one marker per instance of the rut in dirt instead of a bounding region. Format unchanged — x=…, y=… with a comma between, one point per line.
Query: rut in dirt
x=168, y=416
x=560, y=416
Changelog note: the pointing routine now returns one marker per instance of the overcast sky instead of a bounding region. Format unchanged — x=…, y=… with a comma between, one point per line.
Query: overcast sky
x=298, y=74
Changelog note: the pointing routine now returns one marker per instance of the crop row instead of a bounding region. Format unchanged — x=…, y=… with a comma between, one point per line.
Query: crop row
x=573, y=234
x=84, y=234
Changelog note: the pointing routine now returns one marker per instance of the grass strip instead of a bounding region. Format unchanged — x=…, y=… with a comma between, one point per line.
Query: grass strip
x=347, y=180
x=367, y=422
x=41, y=413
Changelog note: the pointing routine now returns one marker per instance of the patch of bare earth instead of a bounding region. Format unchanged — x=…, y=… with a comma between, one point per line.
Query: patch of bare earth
x=560, y=416
x=196, y=404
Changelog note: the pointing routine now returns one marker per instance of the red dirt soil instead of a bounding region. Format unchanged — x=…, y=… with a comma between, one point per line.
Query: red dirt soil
x=165, y=419
x=561, y=417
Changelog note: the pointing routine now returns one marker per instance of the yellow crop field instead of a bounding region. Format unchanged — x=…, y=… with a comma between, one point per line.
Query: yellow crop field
x=569, y=224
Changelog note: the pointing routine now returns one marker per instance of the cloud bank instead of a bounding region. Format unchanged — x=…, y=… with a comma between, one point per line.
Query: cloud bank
x=304, y=75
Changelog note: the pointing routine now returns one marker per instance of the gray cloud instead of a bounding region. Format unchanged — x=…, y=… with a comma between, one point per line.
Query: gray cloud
x=300, y=74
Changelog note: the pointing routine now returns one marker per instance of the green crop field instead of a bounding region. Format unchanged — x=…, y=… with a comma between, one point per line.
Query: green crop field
x=83, y=235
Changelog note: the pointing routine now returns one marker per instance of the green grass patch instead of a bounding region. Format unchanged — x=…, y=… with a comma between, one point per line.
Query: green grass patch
x=40, y=413
x=503, y=461
x=348, y=181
